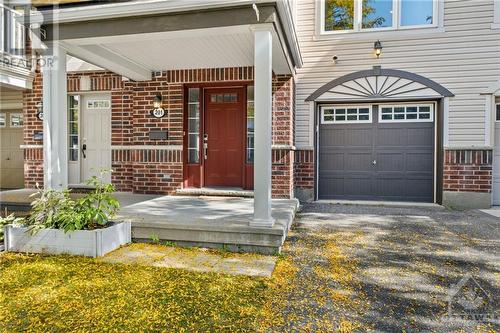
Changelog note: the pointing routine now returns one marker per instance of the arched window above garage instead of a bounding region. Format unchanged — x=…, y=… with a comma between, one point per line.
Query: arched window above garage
x=379, y=84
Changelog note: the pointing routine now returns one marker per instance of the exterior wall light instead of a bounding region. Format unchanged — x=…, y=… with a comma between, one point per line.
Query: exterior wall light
x=377, y=46
x=157, y=102
x=158, y=111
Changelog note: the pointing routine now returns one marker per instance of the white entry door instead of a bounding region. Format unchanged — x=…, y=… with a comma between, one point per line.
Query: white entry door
x=496, y=163
x=96, y=136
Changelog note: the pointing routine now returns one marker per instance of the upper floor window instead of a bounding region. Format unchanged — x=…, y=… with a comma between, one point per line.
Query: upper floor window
x=368, y=15
x=12, y=31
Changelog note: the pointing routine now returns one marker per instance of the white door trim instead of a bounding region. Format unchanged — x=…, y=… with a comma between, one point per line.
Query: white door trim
x=85, y=168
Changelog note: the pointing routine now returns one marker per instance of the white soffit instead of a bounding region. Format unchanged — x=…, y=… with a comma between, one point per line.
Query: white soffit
x=77, y=65
x=186, y=49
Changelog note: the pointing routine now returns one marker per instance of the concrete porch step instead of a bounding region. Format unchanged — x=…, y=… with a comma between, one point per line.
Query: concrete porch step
x=235, y=237
x=216, y=192
x=212, y=222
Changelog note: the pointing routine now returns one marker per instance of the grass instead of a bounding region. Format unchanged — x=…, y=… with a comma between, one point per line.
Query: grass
x=65, y=294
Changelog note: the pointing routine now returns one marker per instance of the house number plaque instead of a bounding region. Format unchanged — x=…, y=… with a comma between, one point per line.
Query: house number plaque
x=159, y=113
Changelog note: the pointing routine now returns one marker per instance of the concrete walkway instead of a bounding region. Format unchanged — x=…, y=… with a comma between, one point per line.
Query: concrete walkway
x=199, y=260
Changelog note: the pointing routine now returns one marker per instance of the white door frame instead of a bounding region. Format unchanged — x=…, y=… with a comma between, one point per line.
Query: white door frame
x=77, y=166
x=495, y=100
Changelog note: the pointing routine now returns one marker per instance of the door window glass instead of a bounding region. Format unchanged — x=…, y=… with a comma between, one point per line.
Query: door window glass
x=2, y=120
x=224, y=98
x=73, y=127
x=250, y=125
x=193, y=125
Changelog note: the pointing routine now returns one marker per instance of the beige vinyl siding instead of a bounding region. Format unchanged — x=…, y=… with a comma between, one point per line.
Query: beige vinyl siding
x=463, y=55
x=11, y=99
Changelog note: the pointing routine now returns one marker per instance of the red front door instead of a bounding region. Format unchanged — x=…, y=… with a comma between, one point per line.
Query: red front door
x=225, y=137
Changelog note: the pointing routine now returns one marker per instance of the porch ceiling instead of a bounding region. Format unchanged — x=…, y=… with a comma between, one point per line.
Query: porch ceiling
x=135, y=56
x=217, y=34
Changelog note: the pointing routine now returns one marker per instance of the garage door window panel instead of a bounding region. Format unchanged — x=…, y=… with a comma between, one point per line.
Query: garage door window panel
x=16, y=120
x=406, y=113
x=3, y=121
x=346, y=114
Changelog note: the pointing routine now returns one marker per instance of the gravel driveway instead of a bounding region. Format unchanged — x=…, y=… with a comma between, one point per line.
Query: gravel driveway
x=383, y=269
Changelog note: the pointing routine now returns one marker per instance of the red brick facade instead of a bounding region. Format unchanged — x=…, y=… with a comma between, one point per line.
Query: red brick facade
x=33, y=127
x=467, y=171
x=160, y=170
x=304, y=170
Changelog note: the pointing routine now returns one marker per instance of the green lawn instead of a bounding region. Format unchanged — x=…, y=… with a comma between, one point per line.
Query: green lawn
x=62, y=293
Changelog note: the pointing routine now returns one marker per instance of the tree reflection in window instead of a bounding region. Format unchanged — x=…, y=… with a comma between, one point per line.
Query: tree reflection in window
x=339, y=14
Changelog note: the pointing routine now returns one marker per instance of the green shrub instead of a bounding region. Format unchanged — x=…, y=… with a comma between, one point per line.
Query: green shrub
x=56, y=210
x=93, y=210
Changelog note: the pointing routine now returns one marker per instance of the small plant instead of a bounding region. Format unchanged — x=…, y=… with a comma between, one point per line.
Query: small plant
x=94, y=209
x=48, y=209
x=168, y=243
x=155, y=238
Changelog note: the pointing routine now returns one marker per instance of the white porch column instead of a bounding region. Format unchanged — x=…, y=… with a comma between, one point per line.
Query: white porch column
x=263, y=127
x=55, y=116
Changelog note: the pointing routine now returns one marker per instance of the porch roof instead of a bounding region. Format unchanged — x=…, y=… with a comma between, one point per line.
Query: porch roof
x=137, y=37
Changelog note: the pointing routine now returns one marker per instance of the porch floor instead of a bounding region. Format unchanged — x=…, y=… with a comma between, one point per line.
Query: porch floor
x=209, y=222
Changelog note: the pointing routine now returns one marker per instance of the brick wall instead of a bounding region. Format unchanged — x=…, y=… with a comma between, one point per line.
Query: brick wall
x=304, y=168
x=282, y=136
x=33, y=156
x=467, y=171
x=152, y=170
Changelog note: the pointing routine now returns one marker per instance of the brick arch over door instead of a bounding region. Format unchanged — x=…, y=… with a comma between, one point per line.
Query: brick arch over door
x=379, y=84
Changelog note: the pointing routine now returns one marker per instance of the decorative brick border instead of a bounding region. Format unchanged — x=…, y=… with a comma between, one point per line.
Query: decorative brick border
x=468, y=170
x=304, y=169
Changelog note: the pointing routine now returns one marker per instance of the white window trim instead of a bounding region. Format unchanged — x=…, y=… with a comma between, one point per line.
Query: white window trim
x=496, y=15
x=431, y=119
x=5, y=120
x=497, y=107
x=13, y=115
x=437, y=22
x=346, y=106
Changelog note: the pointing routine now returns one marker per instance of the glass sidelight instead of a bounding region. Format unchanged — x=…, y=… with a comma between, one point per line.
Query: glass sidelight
x=73, y=112
x=194, y=125
x=250, y=125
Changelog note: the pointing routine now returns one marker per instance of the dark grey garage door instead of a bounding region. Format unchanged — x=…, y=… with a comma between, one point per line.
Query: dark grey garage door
x=364, y=158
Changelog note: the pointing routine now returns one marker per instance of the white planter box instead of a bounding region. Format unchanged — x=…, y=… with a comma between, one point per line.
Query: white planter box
x=89, y=243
